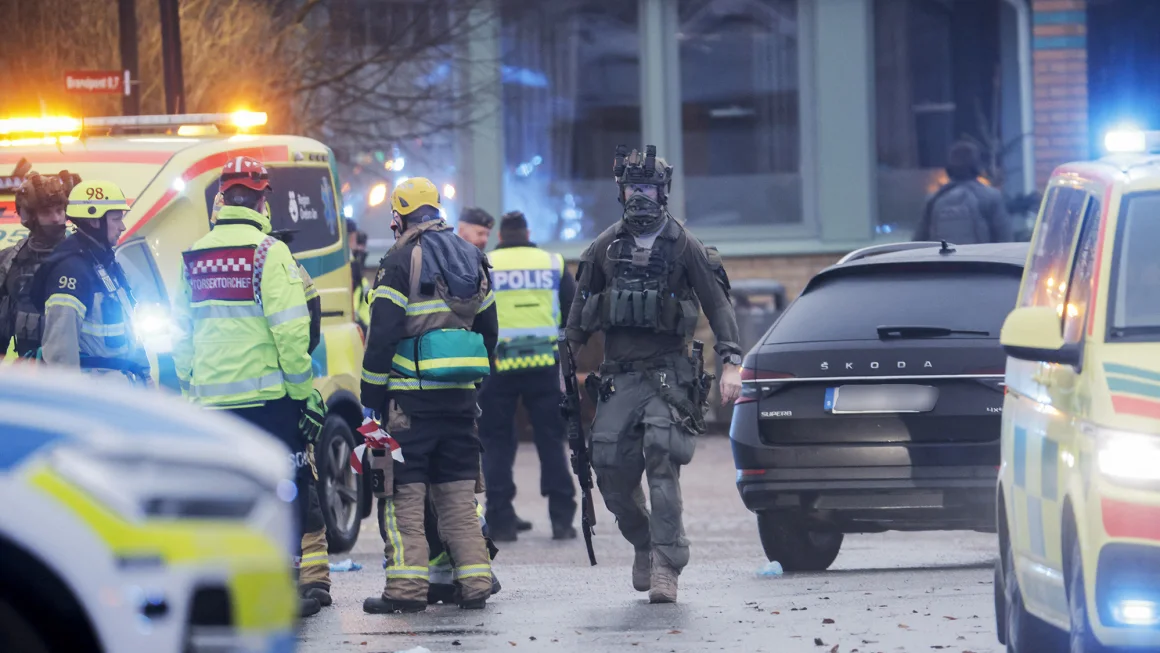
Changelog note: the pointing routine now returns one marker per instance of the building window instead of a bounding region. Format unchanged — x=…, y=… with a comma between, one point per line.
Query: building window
x=571, y=93
x=739, y=112
x=937, y=79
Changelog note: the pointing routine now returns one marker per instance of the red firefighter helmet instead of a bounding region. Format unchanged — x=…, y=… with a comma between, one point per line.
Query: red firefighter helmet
x=245, y=171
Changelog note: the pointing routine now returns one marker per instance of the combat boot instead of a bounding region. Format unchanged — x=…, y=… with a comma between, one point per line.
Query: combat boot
x=308, y=607
x=663, y=581
x=641, y=570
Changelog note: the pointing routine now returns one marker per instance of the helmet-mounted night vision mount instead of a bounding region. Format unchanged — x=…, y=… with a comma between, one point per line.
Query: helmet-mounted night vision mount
x=637, y=168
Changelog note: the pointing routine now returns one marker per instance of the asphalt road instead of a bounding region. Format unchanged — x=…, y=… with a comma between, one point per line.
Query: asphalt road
x=889, y=592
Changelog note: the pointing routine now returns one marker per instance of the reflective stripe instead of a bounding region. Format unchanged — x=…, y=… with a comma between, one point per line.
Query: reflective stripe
x=315, y=560
x=271, y=380
x=407, y=572
x=440, y=363
x=539, y=332
x=103, y=330
x=525, y=362
x=390, y=293
x=220, y=311
x=299, y=378
x=400, y=384
x=374, y=379
x=487, y=301
x=428, y=307
x=311, y=293
x=398, y=568
x=473, y=571
x=61, y=299
x=97, y=202
x=285, y=315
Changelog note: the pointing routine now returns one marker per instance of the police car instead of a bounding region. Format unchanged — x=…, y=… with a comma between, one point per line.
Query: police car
x=136, y=522
x=1079, y=487
x=168, y=168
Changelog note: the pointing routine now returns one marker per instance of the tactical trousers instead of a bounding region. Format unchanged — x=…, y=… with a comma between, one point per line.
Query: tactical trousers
x=540, y=390
x=280, y=419
x=637, y=433
x=315, y=571
x=441, y=457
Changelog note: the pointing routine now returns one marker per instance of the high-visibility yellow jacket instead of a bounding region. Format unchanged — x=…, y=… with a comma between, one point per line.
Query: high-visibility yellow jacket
x=244, y=327
x=527, y=283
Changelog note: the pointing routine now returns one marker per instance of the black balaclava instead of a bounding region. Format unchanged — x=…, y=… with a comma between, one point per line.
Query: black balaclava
x=642, y=215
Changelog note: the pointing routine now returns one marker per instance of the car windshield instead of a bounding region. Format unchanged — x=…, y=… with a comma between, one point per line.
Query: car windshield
x=1135, y=310
x=952, y=299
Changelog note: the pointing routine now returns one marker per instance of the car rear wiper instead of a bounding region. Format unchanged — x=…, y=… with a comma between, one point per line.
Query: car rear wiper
x=915, y=331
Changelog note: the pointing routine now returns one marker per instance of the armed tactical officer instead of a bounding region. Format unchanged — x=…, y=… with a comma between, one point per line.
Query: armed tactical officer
x=40, y=203
x=643, y=283
x=81, y=289
x=432, y=337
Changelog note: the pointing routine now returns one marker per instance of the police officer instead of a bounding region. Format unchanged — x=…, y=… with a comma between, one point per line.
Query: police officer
x=475, y=226
x=530, y=287
x=82, y=292
x=40, y=203
x=432, y=337
x=244, y=327
x=643, y=282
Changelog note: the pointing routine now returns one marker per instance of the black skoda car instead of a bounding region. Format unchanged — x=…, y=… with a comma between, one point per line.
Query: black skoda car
x=874, y=402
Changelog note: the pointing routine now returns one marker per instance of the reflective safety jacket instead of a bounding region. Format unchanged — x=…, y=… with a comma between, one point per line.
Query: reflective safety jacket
x=529, y=285
x=87, y=307
x=431, y=305
x=243, y=324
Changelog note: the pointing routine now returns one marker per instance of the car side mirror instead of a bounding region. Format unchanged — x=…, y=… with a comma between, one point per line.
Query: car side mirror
x=1034, y=333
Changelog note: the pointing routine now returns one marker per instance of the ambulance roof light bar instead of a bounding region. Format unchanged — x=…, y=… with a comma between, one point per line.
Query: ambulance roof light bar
x=1131, y=140
x=52, y=125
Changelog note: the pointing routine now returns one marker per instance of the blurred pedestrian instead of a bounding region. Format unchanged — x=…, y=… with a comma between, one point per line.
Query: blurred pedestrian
x=530, y=287
x=475, y=226
x=965, y=210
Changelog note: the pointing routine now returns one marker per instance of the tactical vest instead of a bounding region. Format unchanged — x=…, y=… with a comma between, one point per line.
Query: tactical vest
x=19, y=316
x=440, y=351
x=639, y=292
x=526, y=281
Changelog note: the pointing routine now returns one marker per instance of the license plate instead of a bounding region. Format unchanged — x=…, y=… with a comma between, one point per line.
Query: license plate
x=905, y=398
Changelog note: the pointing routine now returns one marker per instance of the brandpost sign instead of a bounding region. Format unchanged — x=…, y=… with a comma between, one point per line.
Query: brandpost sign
x=97, y=81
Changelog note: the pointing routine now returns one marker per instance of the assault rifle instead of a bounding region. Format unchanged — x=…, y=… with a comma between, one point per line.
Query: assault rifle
x=577, y=441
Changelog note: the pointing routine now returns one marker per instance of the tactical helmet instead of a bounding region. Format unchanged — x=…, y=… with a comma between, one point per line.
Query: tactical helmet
x=91, y=200
x=413, y=193
x=39, y=192
x=642, y=214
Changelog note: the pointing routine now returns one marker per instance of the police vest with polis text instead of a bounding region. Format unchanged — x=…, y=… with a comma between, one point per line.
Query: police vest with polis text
x=526, y=281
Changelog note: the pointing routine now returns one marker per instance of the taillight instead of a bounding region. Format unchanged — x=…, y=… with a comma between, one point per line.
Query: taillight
x=748, y=374
x=748, y=394
x=750, y=380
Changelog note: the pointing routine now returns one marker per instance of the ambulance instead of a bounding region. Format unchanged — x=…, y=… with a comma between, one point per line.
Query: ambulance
x=168, y=168
x=136, y=522
x=1078, y=503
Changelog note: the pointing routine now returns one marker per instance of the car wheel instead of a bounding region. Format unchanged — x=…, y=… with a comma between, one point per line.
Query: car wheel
x=17, y=633
x=1081, y=639
x=1026, y=633
x=1000, y=603
x=786, y=539
x=338, y=487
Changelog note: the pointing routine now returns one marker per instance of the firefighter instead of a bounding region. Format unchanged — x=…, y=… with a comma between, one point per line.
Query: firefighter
x=432, y=337
x=82, y=292
x=244, y=328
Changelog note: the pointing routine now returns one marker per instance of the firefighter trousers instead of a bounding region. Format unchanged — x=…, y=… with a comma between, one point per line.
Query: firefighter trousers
x=440, y=457
x=315, y=570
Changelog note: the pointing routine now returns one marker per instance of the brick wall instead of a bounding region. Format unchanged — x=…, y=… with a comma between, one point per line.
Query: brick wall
x=1060, y=82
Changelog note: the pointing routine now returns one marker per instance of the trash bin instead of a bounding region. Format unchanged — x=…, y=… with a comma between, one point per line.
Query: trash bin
x=757, y=303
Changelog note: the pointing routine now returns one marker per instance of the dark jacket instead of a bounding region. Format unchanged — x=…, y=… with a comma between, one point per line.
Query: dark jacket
x=387, y=328
x=964, y=213
x=693, y=272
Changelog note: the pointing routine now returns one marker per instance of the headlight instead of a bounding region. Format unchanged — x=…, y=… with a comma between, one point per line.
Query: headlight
x=1129, y=457
x=141, y=488
x=154, y=327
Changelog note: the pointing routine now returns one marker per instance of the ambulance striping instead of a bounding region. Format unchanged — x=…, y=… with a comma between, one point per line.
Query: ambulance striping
x=1130, y=520
x=211, y=162
x=1136, y=406
x=1020, y=445
x=1049, y=469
